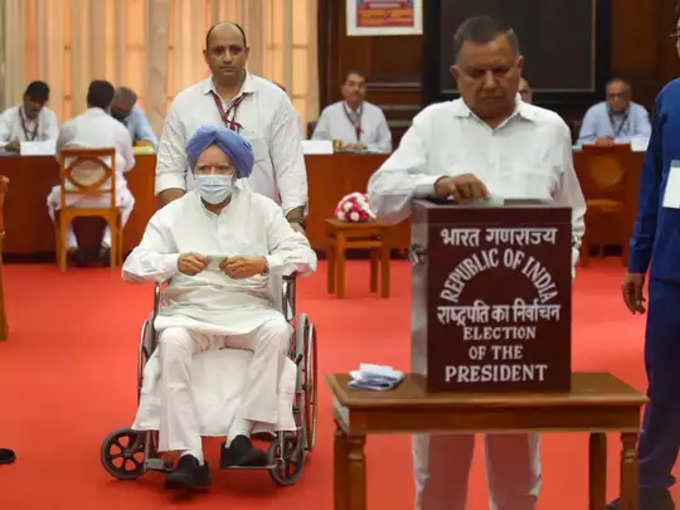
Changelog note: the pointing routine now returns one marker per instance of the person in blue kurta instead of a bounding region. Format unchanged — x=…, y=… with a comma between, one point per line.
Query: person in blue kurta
x=656, y=243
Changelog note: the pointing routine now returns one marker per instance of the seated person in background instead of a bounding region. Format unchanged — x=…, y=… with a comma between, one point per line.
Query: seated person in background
x=616, y=120
x=359, y=125
x=123, y=109
x=29, y=121
x=95, y=128
x=525, y=91
x=227, y=304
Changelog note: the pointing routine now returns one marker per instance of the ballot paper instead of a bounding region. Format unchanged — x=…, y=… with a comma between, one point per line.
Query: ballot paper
x=214, y=259
x=492, y=201
x=317, y=147
x=375, y=377
x=38, y=148
x=639, y=143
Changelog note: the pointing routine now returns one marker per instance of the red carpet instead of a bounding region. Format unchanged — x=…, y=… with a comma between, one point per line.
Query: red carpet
x=67, y=378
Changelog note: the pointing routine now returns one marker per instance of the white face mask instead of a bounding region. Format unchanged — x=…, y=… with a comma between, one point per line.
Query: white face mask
x=214, y=189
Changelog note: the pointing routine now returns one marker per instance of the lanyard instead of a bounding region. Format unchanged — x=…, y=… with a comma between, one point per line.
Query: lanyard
x=623, y=123
x=29, y=136
x=356, y=123
x=233, y=108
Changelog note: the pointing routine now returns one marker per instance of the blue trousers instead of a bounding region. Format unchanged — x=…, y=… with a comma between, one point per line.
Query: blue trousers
x=660, y=438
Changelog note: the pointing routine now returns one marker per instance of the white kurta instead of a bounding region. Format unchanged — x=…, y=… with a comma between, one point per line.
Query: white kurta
x=211, y=301
x=94, y=128
x=528, y=156
x=45, y=126
x=334, y=124
x=269, y=123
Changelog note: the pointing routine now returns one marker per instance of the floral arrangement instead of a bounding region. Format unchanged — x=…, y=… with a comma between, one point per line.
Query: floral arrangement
x=354, y=207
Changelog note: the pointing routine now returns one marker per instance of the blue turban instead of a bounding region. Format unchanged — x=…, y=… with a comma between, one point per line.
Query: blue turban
x=237, y=149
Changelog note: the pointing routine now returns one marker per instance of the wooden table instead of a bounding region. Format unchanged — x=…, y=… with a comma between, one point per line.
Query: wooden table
x=370, y=235
x=331, y=177
x=29, y=229
x=597, y=403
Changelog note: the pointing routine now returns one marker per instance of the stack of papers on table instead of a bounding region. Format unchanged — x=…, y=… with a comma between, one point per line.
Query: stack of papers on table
x=375, y=377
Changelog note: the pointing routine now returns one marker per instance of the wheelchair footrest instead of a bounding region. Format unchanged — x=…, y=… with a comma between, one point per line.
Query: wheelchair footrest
x=251, y=468
x=158, y=464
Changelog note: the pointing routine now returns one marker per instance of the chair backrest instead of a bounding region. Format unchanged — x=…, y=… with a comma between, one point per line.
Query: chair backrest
x=87, y=171
x=607, y=172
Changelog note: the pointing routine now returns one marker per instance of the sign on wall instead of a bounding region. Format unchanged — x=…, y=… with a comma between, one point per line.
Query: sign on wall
x=383, y=17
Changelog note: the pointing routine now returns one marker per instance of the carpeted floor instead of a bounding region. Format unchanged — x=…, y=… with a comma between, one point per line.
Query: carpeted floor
x=67, y=378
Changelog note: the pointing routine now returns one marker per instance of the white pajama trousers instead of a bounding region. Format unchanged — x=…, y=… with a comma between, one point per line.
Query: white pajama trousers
x=441, y=464
x=179, y=428
x=124, y=199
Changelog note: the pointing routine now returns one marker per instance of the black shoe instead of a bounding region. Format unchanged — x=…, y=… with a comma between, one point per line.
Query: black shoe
x=104, y=255
x=7, y=456
x=76, y=257
x=242, y=453
x=650, y=499
x=188, y=473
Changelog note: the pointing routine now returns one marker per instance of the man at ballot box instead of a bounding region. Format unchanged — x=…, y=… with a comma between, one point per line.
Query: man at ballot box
x=484, y=145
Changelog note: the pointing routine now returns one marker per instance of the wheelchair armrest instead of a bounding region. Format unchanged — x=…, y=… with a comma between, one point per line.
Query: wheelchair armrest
x=156, y=299
x=288, y=296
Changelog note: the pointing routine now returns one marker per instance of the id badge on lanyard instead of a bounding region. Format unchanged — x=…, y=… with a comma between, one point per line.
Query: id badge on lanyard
x=230, y=123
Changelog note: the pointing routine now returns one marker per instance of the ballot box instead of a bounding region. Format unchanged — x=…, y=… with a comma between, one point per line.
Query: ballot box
x=491, y=296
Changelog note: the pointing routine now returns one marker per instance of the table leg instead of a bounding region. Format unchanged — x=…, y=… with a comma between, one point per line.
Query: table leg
x=330, y=256
x=385, y=269
x=629, y=472
x=374, y=270
x=341, y=265
x=356, y=473
x=598, y=471
x=340, y=487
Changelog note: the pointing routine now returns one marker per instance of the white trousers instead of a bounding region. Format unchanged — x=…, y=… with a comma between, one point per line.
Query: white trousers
x=124, y=199
x=441, y=464
x=179, y=425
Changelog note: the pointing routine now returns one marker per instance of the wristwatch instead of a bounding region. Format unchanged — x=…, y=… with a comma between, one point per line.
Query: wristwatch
x=265, y=271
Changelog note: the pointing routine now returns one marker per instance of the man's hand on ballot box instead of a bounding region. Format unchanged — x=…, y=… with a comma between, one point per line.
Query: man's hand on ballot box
x=461, y=187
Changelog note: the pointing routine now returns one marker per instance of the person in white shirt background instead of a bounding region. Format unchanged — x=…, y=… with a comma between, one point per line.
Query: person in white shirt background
x=30, y=121
x=358, y=124
x=228, y=304
x=617, y=120
x=95, y=128
x=255, y=108
x=487, y=142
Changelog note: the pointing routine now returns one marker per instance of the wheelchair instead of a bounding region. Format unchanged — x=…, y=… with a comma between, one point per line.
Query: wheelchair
x=126, y=453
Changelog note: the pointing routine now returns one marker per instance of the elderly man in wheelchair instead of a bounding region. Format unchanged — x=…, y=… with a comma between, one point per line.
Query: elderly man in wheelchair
x=217, y=247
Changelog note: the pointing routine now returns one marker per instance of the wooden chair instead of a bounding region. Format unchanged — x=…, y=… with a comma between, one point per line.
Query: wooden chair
x=371, y=236
x=4, y=328
x=85, y=173
x=609, y=179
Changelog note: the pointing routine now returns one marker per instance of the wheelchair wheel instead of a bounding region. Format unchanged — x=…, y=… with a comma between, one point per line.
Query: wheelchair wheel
x=122, y=454
x=290, y=464
x=310, y=386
